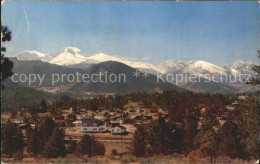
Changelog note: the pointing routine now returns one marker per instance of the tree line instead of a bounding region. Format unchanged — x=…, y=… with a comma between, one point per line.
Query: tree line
x=47, y=140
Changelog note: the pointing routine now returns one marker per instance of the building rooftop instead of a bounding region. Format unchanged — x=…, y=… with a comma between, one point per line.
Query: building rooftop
x=92, y=122
x=121, y=127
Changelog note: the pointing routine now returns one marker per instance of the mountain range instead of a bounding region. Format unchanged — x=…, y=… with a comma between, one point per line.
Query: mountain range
x=81, y=88
x=74, y=58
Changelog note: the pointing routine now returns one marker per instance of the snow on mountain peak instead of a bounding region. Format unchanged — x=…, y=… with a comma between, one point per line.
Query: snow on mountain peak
x=240, y=67
x=241, y=63
x=31, y=55
x=69, y=56
x=34, y=52
x=174, y=65
x=199, y=68
x=72, y=56
x=74, y=49
x=102, y=57
x=212, y=68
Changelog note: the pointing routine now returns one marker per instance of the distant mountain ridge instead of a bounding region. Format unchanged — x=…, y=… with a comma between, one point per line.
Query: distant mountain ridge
x=72, y=57
x=197, y=67
x=132, y=84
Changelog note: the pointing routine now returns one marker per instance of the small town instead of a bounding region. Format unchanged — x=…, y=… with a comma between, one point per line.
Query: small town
x=158, y=82
x=115, y=128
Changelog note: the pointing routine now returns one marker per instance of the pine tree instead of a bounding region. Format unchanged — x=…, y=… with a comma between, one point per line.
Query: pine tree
x=43, y=105
x=190, y=131
x=6, y=64
x=256, y=68
x=229, y=141
x=72, y=147
x=208, y=141
x=159, y=137
x=249, y=127
x=139, y=143
x=12, y=139
x=86, y=145
x=90, y=146
x=33, y=141
x=70, y=119
x=55, y=146
x=45, y=131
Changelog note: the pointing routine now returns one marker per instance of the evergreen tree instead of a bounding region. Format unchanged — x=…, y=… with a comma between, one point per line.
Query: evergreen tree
x=249, y=128
x=72, y=147
x=250, y=125
x=43, y=105
x=12, y=139
x=229, y=141
x=177, y=144
x=90, y=146
x=45, y=131
x=256, y=69
x=139, y=143
x=6, y=64
x=70, y=119
x=33, y=141
x=55, y=146
x=86, y=145
x=159, y=137
x=190, y=131
x=208, y=142
x=93, y=106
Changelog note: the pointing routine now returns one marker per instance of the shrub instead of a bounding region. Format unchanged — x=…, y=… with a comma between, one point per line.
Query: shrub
x=114, y=152
x=99, y=148
x=72, y=147
x=18, y=156
x=89, y=145
x=129, y=159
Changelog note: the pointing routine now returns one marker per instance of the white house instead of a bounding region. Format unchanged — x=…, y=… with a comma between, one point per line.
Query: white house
x=93, y=126
x=77, y=123
x=119, y=130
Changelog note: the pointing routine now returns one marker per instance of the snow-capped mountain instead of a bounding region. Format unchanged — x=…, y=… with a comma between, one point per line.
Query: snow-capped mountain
x=207, y=70
x=68, y=56
x=74, y=57
x=197, y=68
x=32, y=55
x=201, y=68
x=101, y=57
x=240, y=67
x=206, y=66
x=174, y=65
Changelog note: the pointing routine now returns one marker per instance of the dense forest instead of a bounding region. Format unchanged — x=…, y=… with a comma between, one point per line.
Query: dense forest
x=167, y=100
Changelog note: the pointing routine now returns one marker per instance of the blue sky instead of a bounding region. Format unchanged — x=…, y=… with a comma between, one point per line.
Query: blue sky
x=217, y=32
